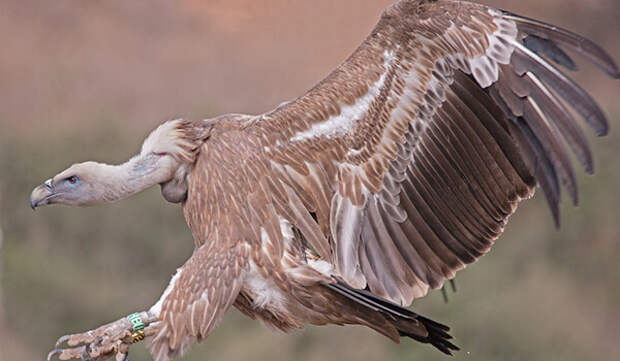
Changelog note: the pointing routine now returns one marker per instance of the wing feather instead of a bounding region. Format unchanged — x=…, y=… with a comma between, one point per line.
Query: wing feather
x=450, y=173
x=563, y=119
x=205, y=289
x=414, y=152
x=525, y=60
x=494, y=119
x=568, y=39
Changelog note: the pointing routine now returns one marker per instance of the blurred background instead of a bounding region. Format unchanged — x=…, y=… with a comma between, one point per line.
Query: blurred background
x=82, y=80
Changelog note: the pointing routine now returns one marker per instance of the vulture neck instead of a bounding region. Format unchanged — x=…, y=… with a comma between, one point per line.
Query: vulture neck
x=134, y=176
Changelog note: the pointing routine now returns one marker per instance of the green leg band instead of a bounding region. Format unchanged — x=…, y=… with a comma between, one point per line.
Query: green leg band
x=136, y=322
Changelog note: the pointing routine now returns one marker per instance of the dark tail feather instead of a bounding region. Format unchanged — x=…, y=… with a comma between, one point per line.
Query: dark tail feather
x=437, y=336
x=403, y=319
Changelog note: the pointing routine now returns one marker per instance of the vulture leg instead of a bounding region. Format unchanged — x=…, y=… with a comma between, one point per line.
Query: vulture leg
x=112, y=339
x=444, y=291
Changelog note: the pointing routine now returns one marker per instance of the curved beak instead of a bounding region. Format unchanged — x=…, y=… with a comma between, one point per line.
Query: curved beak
x=42, y=194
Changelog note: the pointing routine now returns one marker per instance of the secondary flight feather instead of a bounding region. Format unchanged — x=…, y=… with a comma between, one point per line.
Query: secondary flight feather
x=378, y=184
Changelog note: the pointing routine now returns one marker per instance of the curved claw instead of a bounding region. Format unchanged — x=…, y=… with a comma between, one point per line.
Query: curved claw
x=113, y=339
x=61, y=340
x=53, y=353
x=122, y=356
x=84, y=355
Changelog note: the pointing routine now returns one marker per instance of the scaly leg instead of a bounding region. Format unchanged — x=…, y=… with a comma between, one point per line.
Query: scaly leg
x=108, y=340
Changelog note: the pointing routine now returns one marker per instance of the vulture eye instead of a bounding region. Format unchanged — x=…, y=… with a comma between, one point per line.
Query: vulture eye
x=72, y=180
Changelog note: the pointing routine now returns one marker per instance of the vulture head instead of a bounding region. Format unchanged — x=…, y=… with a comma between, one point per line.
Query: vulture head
x=166, y=158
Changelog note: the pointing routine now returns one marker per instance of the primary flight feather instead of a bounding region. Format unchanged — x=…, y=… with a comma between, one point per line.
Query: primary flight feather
x=344, y=205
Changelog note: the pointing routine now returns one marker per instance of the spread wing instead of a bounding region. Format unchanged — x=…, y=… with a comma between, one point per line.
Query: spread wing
x=404, y=164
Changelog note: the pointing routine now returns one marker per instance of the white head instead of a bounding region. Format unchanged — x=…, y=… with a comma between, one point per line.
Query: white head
x=167, y=156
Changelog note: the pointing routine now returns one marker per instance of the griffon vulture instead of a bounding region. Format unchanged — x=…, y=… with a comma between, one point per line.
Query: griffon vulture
x=347, y=203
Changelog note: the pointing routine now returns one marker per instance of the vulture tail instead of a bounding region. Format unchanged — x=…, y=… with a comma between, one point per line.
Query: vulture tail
x=407, y=323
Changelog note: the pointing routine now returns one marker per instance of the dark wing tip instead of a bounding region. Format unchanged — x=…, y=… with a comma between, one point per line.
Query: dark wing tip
x=604, y=130
x=551, y=50
x=614, y=72
x=567, y=39
x=599, y=123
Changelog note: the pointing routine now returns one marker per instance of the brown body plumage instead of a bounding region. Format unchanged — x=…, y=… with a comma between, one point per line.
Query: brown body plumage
x=396, y=171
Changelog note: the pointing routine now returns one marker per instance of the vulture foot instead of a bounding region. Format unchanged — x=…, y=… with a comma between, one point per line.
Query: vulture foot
x=112, y=339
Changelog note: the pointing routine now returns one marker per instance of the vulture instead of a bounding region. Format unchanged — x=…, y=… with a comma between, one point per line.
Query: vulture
x=380, y=183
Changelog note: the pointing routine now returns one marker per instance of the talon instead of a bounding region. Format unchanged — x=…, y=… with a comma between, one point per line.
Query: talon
x=85, y=354
x=99, y=344
x=122, y=356
x=61, y=340
x=53, y=353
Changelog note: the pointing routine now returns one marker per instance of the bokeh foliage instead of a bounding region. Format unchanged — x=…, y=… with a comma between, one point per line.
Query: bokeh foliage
x=88, y=81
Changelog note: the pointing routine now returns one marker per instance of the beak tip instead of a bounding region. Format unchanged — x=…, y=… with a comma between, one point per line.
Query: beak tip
x=36, y=198
x=41, y=196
